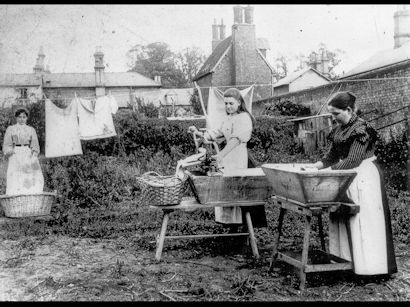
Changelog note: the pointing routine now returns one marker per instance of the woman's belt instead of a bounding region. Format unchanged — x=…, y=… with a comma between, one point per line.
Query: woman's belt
x=21, y=145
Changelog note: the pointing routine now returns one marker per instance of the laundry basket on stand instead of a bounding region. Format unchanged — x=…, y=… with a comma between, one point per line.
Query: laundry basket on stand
x=27, y=205
x=160, y=190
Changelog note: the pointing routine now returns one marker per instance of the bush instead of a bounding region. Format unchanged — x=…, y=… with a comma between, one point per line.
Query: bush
x=287, y=108
x=393, y=156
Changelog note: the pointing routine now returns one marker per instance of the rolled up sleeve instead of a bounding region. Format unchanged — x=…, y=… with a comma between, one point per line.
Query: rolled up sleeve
x=242, y=128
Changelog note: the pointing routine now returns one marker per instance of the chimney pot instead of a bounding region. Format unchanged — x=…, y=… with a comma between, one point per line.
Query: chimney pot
x=237, y=14
x=221, y=31
x=248, y=14
x=401, y=27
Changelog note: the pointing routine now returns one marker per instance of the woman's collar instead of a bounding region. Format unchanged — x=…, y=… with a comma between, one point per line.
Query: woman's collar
x=351, y=120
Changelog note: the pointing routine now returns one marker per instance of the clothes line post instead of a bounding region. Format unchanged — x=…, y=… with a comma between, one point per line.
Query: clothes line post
x=200, y=99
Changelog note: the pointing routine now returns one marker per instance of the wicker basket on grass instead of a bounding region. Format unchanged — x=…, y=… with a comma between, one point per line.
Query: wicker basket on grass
x=27, y=205
x=160, y=190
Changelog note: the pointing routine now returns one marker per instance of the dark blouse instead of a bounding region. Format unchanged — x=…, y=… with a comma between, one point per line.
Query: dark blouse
x=350, y=144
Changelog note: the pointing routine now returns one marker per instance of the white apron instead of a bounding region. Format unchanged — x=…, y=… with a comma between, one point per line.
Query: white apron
x=368, y=227
x=24, y=175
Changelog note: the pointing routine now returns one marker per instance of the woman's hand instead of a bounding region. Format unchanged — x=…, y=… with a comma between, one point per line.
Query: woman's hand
x=192, y=129
x=218, y=160
x=312, y=167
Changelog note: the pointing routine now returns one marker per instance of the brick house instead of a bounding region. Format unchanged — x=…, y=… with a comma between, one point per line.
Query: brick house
x=238, y=60
x=19, y=88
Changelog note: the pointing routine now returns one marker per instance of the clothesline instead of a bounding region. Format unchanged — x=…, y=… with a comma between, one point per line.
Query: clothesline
x=225, y=86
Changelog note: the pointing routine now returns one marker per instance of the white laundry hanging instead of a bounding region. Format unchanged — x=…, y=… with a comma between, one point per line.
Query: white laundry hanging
x=95, y=119
x=62, y=131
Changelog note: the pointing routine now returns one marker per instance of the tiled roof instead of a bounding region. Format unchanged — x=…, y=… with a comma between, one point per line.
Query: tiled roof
x=20, y=80
x=69, y=80
x=88, y=80
x=213, y=59
x=293, y=76
x=381, y=59
x=53, y=80
x=128, y=79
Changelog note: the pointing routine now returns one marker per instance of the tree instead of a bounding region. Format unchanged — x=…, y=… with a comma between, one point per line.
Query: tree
x=281, y=67
x=189, y=62
x=316, y=56
x=156, y=59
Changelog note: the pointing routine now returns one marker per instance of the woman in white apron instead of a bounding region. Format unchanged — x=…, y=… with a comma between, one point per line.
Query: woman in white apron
x=236, y=130
x=20, y=146
x=352, y=147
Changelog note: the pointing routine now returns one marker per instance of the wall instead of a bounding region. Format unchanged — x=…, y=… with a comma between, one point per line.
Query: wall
x=383, y=95
x=121, y=95
x=9, y=95
x=282, y=89
x=66, y=95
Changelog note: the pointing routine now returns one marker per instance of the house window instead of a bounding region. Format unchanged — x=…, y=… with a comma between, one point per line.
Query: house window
x=23, y=93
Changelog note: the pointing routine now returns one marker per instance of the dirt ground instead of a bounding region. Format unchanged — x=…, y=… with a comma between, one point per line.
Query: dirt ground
x=60, y=268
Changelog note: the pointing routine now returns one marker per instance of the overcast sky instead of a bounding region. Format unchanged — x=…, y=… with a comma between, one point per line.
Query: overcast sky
x=69, y=34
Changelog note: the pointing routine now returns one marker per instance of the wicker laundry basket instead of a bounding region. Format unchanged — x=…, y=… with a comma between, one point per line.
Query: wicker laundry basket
x=160, y=190
x=27, y=205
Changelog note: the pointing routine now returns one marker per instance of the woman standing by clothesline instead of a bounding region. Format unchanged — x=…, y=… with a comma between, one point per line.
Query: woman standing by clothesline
x=21, y=147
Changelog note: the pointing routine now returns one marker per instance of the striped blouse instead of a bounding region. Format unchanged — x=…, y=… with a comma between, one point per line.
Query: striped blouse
x=350, y=144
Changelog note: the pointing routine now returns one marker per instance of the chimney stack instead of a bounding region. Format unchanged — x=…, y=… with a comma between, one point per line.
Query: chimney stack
x=249, y=14
x=237, y=14
x=39, y=67
x=222, y=30
x=218, y=33
x=214, y=31
x=99, y=72
x=313, y=60
x=157, y=79
x=244, y=47
x=324, y=67
x=401, y=27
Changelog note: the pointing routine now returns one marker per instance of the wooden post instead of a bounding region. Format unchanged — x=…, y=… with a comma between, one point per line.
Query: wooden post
x=310, y=144
x=200, y=99
x=160, y=243
x=305, y=252
x=321, y=235
x=252, y=235
x=408, y=139
x=276, y=238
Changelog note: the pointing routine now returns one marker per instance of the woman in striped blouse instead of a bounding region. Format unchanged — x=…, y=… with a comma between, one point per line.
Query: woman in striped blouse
x=352, y=147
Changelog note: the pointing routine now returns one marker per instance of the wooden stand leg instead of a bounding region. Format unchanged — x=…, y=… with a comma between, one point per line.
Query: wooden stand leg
x=321, y=235
x=252, y=235
x=160, y=243
x=305, y=252
x=276, y=238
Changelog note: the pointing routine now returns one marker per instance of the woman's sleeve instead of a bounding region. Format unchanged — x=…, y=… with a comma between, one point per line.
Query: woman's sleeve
x=34, y=145
x=7, y=142
x=357, y=150
x=242, y=128
x=357, y=154
x=331, y=156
